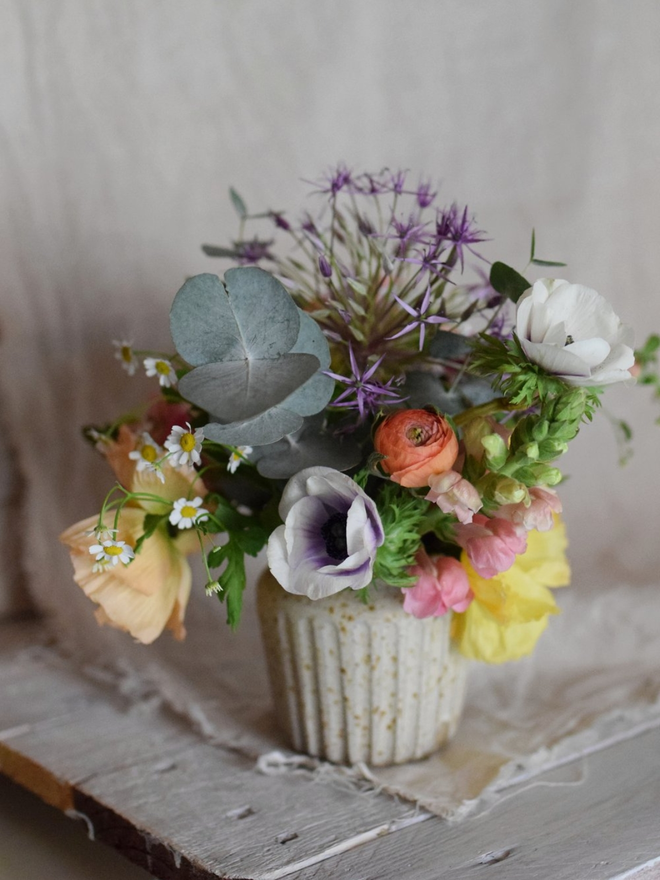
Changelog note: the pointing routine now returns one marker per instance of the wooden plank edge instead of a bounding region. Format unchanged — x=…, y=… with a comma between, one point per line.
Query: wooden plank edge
x=103, y=824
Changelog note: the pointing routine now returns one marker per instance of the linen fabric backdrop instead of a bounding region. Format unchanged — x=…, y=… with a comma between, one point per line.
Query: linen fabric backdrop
x=123, y=126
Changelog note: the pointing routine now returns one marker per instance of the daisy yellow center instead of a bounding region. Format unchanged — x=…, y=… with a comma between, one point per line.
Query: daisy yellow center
x=126, y=353
x=163, y=368
x=187, y=442
x=188, y=511
x=114, y=551
x=149, y=453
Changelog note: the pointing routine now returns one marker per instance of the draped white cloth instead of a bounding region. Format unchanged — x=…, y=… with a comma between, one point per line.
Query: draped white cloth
x=124, y=124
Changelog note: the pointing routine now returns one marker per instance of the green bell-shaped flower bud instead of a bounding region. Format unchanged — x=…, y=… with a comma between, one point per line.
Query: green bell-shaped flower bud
x=506, y=490
x=496, y=450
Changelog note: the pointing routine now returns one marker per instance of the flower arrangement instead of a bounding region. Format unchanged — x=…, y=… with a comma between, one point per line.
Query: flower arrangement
x=354, y=406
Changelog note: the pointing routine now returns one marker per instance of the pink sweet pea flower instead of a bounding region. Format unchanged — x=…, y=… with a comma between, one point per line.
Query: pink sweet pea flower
x=454, y=495
x=491, y=544
x=539, y=514
x=442, y=583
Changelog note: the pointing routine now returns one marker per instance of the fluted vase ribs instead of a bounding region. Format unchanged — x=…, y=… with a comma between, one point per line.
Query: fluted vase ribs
x=360, y=683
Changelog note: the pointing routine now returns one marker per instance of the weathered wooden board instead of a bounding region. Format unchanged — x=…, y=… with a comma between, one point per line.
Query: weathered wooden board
x=184, y=809
x=152, y=789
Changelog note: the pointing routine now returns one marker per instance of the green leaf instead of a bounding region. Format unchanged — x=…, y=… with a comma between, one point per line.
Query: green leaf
x=357, y=286
x=312, y=445
x=533, y=248
x=212, y=250
x=250, y=317
x=246, y=531
x=258, y=358
x=149, y=524
x=507, y=281
x=232, y=579
x=547, y=263
x=238, y=203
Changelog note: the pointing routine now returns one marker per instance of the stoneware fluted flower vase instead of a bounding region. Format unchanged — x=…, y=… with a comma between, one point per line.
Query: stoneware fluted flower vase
x=360, y=683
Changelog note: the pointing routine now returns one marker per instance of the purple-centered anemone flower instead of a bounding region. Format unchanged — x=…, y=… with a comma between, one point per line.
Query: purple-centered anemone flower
x=330, y=535
x=369, y=395
x=459, y=231
x=421, y=319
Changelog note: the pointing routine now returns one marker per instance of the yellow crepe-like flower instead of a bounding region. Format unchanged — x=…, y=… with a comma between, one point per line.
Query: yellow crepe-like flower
x=151, y=593
x=510, y=611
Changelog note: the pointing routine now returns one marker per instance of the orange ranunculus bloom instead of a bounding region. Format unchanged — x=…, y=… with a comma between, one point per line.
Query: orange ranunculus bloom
x=416, y=444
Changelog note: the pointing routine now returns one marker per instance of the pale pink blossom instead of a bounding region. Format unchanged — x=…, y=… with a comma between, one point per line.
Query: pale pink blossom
x=491, y=544
x=454, y=495
x=538, y=514
x=442, y=584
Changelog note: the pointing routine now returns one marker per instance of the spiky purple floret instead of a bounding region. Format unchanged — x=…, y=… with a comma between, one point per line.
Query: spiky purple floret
x=335, y=180
x=369, y=184
x=396, y=181
x=423, y=194
x=370, y=395
x=253, y=251
x=429, y=260
x=456, y=228
x=421, y=319
x=407, y=232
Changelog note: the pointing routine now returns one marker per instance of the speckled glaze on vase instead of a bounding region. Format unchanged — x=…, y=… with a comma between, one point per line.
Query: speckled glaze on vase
x=354, y=682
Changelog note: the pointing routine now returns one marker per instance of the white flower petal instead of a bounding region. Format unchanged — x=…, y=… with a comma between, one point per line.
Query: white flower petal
x=592, y=351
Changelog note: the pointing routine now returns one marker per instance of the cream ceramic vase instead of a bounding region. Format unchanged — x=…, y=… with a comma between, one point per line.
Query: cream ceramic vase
x=354, y=682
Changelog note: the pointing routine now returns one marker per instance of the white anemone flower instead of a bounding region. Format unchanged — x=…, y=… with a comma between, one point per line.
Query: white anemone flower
x=110, y=552
x=187, y=513
x=572, y=332
x=184, y=446
x=161, y=368
x=146, y=455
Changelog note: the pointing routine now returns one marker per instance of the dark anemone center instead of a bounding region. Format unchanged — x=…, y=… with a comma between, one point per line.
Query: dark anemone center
x=333, y=532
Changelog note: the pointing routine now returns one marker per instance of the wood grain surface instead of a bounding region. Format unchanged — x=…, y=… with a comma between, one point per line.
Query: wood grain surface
x=180, y=808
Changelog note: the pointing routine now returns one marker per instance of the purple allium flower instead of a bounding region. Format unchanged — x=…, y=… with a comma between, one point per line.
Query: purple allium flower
x=408, y=232
x=459, y=230
x=330, y=535
x=369, y=395
x=424, y=195
x=335, y=180
x=368, y=184
x=252, y=251
x=420, y=318
x=428, y=261
x=397, y=182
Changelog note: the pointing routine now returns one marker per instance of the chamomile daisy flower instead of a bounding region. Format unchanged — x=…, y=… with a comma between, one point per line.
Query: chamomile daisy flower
x=125, y=355
x=101, y=533
x=161, y=368
x=110, y=552
x=187, y=513
x=146, y=455
x=238, y=456
x=184, y=445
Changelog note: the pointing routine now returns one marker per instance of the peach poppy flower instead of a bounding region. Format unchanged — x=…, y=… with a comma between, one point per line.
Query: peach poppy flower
x=151, y=593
